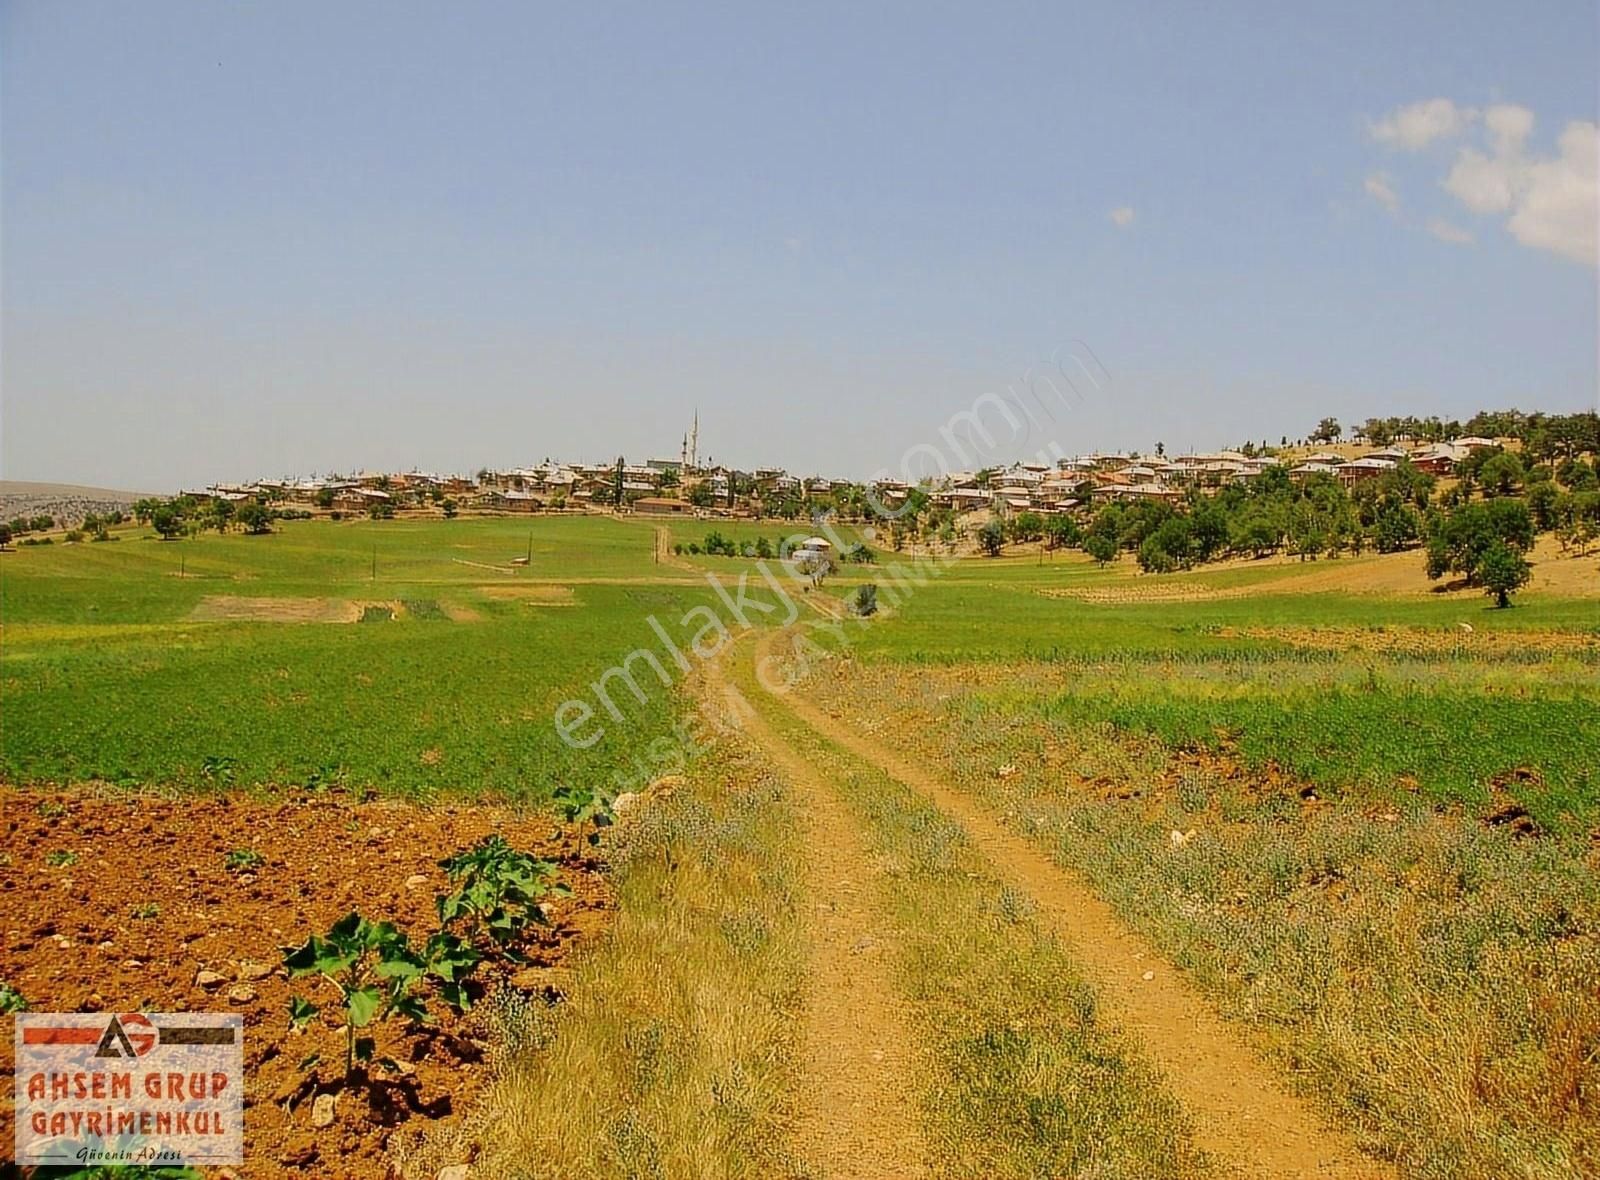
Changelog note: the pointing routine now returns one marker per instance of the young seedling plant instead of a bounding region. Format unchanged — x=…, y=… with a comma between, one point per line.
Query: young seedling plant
x=497, y=892
x=585, y=805
x=374, y=969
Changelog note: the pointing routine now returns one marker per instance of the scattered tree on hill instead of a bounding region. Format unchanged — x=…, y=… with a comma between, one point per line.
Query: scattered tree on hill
x=1061, y=531
x=992, y=538
x=1327, y=430
x=256, y=517
x=449, y=508
x=1027, y=526
x=1458, y=541
x=1501, y=474
x=166, y=521
x=1101, y=547
x=1503, y=571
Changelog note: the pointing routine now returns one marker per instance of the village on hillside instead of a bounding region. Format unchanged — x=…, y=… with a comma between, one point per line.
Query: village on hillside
x=687, y=487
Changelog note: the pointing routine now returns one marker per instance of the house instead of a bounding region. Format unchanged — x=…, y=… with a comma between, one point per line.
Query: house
x=662, y=506
x=1474, y=443
x=1308, y=468
x=1357, y=470
x=359, y=499
x=518, y=501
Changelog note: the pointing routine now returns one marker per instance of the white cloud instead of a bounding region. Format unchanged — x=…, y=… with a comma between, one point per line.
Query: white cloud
x=1553, y=201
x=1381, y=191
x=1509, y=126
x=1122, y=217
x=1549, y=201
x=1560, y=206
x=1412, y=128
x=1447, y=232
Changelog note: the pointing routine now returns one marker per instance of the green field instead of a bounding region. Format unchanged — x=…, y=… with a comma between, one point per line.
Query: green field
x=115, y=668
x=1343, y=690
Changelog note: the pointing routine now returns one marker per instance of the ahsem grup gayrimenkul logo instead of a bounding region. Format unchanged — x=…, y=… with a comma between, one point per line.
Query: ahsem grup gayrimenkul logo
x=134, y=1088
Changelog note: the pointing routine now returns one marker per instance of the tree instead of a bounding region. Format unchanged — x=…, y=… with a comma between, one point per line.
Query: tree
x=1327, y=430
x=1027, y=526
x=5, y=535
x=166, y=521
x=1501, y=474
x=1503, y=571
x=992, y=538
x=323, y=498
x=1100, y=546
x=1458, y=542
x=1060, y=531
x=256, y=517
x=616, y=484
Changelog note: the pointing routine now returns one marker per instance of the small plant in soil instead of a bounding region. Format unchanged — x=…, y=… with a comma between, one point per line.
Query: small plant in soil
x=243, y=860
x=11, y=1000
x=585, y=805
x=51, y=809
x=497, y=892
x=219, y=769
x=61, y=858
x=146, y=911
x=374, y=970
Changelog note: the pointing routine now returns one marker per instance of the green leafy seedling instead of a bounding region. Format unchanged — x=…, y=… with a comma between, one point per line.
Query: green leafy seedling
x=11, y=1000
x=497, y=891
x=373, y=968
x=61, y=859
x=586, y=805
x=243, y=860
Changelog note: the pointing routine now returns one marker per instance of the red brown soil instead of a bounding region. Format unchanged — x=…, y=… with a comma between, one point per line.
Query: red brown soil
x=69, y=942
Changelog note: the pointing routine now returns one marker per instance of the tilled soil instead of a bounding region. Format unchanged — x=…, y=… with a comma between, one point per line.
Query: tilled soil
x=125, y=904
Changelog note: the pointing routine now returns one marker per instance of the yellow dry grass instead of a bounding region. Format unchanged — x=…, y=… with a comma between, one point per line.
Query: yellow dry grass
x=674, y=1051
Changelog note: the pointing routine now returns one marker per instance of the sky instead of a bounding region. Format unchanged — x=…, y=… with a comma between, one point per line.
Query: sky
x=252, y=239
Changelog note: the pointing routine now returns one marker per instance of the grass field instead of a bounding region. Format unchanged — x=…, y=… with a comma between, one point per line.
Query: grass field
x=1369, y=832
x=117, y=669
x=1363, y=823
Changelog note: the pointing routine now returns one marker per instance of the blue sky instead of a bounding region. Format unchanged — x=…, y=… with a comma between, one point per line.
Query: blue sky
x=254, y=239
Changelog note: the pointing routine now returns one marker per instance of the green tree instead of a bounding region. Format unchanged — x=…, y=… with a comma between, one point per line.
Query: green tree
x=1061, y=531
x=992, y=538
x=1501, y=474
x=1503, y=571
x=166, y=521
x=1027, y=526
x=1100, y=546
x=256, y=517
x=1327, y=430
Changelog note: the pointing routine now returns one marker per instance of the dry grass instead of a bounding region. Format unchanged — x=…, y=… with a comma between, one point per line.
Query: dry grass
x=673, y=1052
x=237, y=608
x=1432, y=980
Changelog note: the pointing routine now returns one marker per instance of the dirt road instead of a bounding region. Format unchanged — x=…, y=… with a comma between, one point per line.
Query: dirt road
x=1243, y=1112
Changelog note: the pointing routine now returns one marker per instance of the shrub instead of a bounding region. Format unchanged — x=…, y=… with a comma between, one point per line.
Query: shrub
x=865, y=602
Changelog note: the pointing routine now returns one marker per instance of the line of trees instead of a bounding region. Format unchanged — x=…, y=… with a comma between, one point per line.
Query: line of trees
x=1479, y=529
